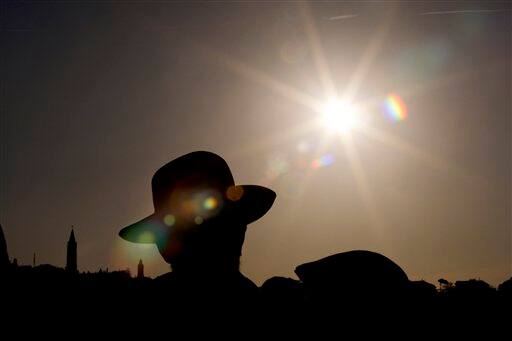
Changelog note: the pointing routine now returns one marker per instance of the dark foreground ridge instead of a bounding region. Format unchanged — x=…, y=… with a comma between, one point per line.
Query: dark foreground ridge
x=349, y=285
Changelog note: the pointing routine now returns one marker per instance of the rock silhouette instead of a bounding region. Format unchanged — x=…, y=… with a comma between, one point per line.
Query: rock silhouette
x=355, y=276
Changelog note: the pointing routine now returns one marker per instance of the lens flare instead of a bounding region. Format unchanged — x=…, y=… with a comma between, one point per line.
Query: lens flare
x=323, y=161
x=277, y=165
x=210, y=203
x=234, y=193
x=395, y=108
x=169, y=220
x=147, y=238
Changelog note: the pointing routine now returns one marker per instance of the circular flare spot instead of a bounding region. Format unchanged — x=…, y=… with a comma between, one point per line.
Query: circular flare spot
x=146, y=237
x=198, y=220
x=210, y=203
x=169, y=220
x=323, y=161
x=234, y=193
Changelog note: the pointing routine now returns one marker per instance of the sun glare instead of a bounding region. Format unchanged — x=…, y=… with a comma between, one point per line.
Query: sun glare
x=340, y=116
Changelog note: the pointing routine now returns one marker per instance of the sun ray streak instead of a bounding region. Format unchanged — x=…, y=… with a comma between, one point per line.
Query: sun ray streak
x=259, y=77
x=329, y=90
x=371, y=52
x=270, y=141
x=267, y=81
x=352, y=89
x=318, y=53
x=357, y=169
x=430, y=160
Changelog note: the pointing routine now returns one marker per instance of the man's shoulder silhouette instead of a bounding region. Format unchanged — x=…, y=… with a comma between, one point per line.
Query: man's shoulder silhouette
x=229, y=287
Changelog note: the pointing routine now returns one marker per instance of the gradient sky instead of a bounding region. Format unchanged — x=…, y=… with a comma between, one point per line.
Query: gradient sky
x=96, y=96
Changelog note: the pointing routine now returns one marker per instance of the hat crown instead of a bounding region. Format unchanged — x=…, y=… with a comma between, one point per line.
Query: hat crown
x=194, y=187
x=196, y=170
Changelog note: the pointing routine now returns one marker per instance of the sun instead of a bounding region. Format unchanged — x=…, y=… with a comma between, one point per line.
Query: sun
x=340, y=116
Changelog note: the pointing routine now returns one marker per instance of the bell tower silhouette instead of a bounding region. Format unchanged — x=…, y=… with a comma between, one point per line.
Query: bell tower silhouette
x=71, y=265
x=4, y=256
x=140, y=270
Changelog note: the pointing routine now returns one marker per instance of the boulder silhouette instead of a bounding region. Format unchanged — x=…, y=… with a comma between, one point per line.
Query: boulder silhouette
x=352, y=276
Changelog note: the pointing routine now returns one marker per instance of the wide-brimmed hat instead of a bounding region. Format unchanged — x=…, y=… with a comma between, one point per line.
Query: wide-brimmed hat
x=190, y=190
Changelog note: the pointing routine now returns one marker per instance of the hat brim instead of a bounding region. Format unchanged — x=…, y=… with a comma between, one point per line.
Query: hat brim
x=252, y=204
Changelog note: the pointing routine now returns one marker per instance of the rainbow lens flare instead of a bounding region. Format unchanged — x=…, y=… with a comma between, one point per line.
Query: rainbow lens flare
x=395, y=108
x=323, y=161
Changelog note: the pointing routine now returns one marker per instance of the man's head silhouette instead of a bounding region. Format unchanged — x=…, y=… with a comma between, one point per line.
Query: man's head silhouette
x=200, y=214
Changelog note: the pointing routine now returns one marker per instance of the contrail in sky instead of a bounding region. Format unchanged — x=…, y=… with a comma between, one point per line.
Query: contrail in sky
x=341, y=17
x=464, y=11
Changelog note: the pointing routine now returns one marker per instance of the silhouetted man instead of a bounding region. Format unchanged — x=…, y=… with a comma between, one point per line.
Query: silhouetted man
x=199, y=227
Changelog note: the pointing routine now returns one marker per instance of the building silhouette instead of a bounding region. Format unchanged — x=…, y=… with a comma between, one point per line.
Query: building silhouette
x=34, y=260
x=71, y=265
x=140, y=270
x=4, y=256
